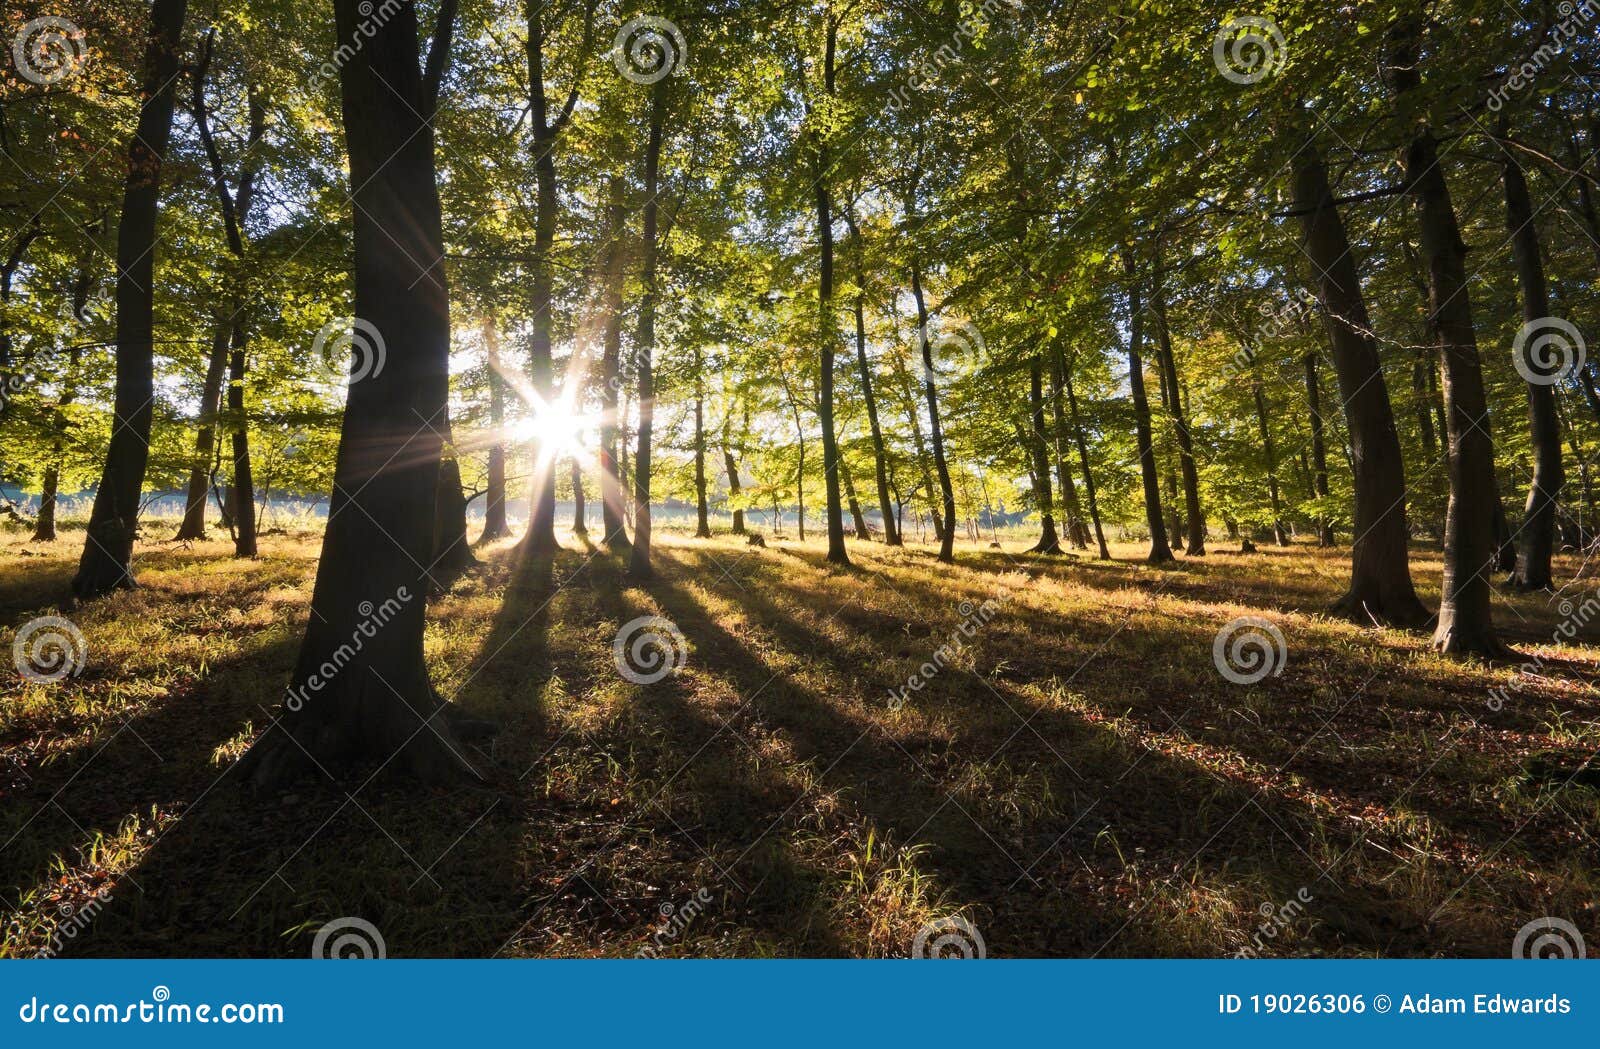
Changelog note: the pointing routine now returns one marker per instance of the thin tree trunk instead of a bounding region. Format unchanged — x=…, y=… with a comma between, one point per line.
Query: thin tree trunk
x=701, y=506
x=1159, y=550
x=1088, y=470
x=1279, y=536
x=732, y=466
x=1380, y=574
x=1536, y=541
x=1039, y=451
x=1193, y=516
x=1319, y=450
x=639, y=566
x=611, y=482
x=1077, y=531
x=107, y=561
x=580, y=526
x=494, y=505
x=825, y=321
x=891, y=528
x=856, y=519
x=244, y=543
x=194, y=509
x=947, y=532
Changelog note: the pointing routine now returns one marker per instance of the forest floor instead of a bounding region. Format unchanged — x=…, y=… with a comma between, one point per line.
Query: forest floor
x=1079, y=779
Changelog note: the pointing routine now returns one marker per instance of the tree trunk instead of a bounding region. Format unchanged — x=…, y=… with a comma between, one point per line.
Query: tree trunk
x=580, y=526
x=494, y=505
x=1380, y=574
x=947, y=532
x=825, y=323
x=1536, y=541
x=639, y=558
x=360, y=691
x=1319, y=450
x=1279, y=536
x=1193, y=516
x=891, y=528
x=856, y=519
x=1049, y=542
x=701, y=507
x=1088, y=470
x=1159, y=550
x=194, y=507
x=611, y=483
x=107, y=561
x=1077, y=531
x=732, y=466
x=244, y=541
x=1466, y=623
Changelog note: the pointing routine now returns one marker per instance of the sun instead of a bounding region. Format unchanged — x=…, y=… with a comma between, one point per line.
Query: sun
x=556, y=429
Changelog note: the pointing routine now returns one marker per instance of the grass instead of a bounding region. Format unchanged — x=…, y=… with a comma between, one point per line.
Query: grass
x=1076, y=778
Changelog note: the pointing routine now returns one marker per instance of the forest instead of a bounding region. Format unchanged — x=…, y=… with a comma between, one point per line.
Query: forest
x=866, y=478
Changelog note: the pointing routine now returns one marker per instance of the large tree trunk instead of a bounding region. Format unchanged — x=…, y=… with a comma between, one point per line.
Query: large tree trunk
x=947, y=531
x=107, y=561
x=1536, y=541
x=494, y=505
x=1039, y=452
x=360, y=691
x=1319, y=449
x=891, y=528
x=1159, y=550
x=1193, y=516
x=1380, y=573
x=639, y=559
x=1466, y=623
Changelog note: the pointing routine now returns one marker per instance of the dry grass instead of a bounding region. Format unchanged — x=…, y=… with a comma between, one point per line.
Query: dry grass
x=1079, y=779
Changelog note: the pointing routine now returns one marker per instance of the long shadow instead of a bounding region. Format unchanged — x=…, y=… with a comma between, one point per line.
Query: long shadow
x=907, y=788
x=1369, y=781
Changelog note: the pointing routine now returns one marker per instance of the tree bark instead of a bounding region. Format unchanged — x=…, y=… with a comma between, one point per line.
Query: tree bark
x=494, y=506
x=360, y=690
x=1380, y=573
x=1088, y=469
x=611, y=484
x=702, y=508
x=1193, y=516
x=1077, y=531
x=825, y=321
x=107, y=561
